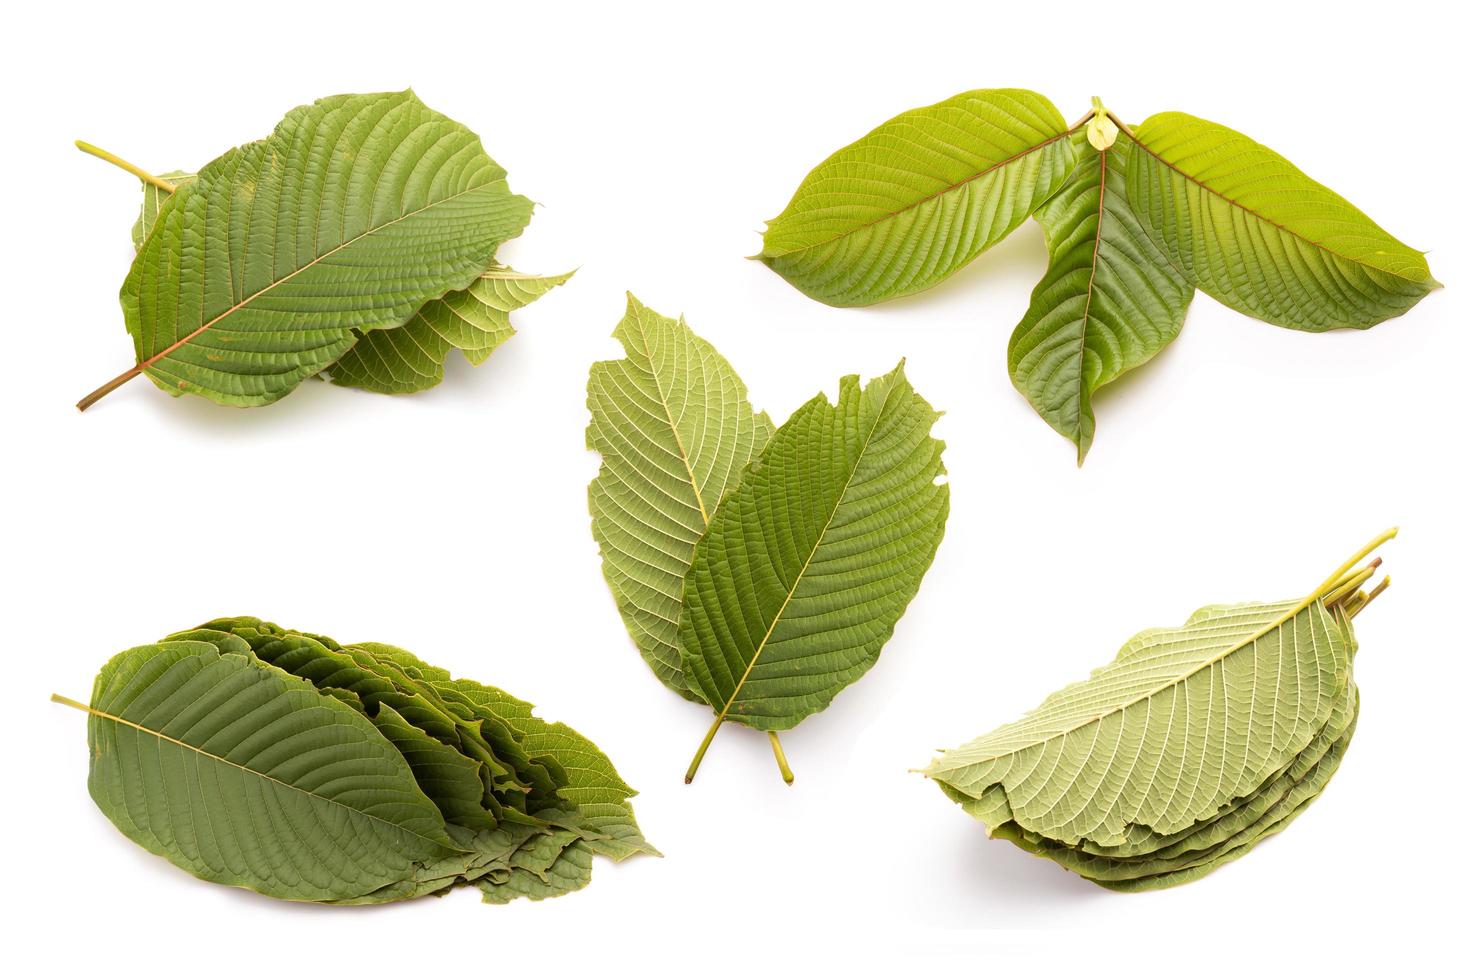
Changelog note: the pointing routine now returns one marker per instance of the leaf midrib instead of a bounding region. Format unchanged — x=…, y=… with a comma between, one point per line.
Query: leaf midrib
x=117, y=719
x=149, y=362
x=1102, y=196
x=816, y=546
x=925, y=200
x=678, y=441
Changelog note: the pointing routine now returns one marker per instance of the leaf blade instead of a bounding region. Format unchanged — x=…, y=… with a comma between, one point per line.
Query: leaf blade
x=407, y=194
x=674, y=427
x=919, y=197
x=1167, y=796
x=808, y=565
x=476, y=320
x=1248, y=227
x=320, y=830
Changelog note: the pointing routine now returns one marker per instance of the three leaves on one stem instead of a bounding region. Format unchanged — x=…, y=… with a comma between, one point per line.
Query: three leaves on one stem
x=1135, y=220
x=357, y=240
x=759, y=571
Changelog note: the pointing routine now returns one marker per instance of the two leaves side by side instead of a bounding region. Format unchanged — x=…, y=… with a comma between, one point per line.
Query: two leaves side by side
x=1185, y=751
x=309, y=770
x=1135, y=221
x=758, y=572
x=357, y=239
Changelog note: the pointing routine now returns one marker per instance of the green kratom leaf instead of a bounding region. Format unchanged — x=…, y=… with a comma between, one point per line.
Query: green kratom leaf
x=475, y=320
x=1246, y=226
x=241, y=774
x=920, y=196
x=267, y=267
x=674, y=427
x=1190, y=747
x=809, y=563
x=348, y=774
x=1109, y=301
x=1185, y=203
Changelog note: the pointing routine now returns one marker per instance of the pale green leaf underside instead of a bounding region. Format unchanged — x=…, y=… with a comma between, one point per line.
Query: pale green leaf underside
x=353, y=214
x=1192, y=746
x=919, y=197
x=675, y=428
x=1182, y=723
x=243, y=775
x=1109, y=301
x=476, y=320
x=809, y=563
x=1245, y=823
x=1246, y=226
x=153, y=198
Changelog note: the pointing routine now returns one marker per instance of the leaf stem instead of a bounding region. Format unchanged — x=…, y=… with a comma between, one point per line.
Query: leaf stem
x=786, y=773
x=133, y=169
x=709, y=737
x=111, y=386
x=1377, y=591
x=1350, y=585
x=72, y=704
x=1336, y=578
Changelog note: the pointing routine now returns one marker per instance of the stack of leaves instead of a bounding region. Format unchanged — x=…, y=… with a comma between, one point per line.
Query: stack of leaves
x=1135, y=221
x=1182, y=754
x=356, y=241
x=759, y=571
x=304, y=769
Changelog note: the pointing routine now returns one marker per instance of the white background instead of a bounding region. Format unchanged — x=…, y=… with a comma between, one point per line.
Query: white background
x=1244, y=463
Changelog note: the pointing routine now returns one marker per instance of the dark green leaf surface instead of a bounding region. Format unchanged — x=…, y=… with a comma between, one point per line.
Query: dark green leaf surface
x=352, y=774
x=241, y=774
x=1109, y=301
x=268, y=266
x=809, y=563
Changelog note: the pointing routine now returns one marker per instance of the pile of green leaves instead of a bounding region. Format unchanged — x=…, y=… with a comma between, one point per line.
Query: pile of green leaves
x=1191, y=747
x=759, y=570
x=304, y=769
x=356, y=242
x=1135, y=221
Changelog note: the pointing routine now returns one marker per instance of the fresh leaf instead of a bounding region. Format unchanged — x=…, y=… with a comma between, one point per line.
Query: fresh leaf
x=1249, y=228
x=241, y=774
x=809, y=563
x=919, y=197
x=475, y=320
x=1190, y=747
x=267, y=267
x=675, y=429
x=1109, y=301
x=354, y=774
